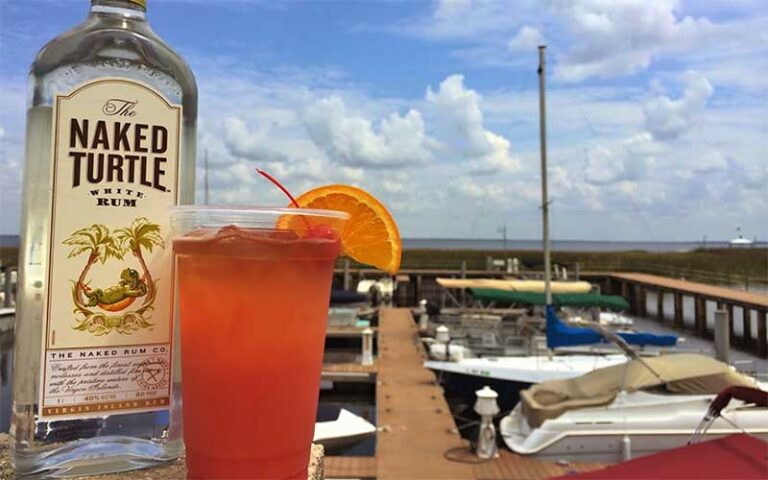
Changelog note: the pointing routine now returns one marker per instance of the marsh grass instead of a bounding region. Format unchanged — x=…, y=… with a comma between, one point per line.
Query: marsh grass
x=707, y=265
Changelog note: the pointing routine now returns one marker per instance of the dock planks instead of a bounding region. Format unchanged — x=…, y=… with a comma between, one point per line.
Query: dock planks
x=350, y=467
x=416, y=431
x=415, y=423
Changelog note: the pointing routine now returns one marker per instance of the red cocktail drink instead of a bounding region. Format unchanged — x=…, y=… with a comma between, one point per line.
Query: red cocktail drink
x=253, y=304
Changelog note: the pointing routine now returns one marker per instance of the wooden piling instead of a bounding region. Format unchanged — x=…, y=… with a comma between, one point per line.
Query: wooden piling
x=346, y=281
x=731, y=322
x=625, y=292
x=746, y=322
x=641, y=300
x=660, y=305
x=700, y=315
x=678, y=309
x=8, y=288
x=762, y=333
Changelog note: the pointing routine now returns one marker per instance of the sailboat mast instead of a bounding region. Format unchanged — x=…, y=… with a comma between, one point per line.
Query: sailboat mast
x=544, y=194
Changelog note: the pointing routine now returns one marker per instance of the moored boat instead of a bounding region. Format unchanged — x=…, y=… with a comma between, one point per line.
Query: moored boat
x=337, y=427
x=638, y=408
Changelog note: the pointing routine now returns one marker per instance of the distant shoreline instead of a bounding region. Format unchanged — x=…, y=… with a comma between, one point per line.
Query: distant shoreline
x=568, y=245
x=688, y=260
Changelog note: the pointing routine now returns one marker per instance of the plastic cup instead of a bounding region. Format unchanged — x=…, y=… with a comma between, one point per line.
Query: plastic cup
x=253, y=288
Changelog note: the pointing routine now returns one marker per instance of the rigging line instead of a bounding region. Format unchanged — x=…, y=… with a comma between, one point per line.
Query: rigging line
x=643, y=221
x=731, y=423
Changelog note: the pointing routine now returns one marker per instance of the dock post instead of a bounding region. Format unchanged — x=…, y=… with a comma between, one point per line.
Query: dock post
x=577, y=271
x=423, y=315
x=443, y=336
x=660, y=305
x=762, y=333
x=367, y=357
x=463, y=293
x=417, y=289
x=722, y=336
x=8, y=290
x=678, y=309
x=346, y=274
x=700, y=315
x=487, y=407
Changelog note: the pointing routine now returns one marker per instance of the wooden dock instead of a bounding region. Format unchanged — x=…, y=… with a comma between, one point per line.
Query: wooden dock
x=417, y=436
x=347, y=332
x=751, y=309
x=349, y=372
x=748, y=311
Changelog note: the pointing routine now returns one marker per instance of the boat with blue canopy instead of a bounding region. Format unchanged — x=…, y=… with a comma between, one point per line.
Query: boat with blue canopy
x=561, y=335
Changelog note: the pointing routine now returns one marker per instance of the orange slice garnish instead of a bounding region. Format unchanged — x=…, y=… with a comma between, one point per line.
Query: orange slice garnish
x=370, y=236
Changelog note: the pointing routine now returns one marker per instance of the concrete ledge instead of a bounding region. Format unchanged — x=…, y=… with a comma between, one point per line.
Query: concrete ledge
x=174, y=471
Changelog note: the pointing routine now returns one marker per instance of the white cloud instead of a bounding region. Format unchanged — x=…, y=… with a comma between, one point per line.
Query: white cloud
x=526, y=39
x=668, y=119
x=711, y=162
x=609, y=38
x=630, y=160
x=2, y=133
x=452, y=9
x=353, y=174
x=461, y=19
x=459, y=109
x=255, y=146
x=352, y=140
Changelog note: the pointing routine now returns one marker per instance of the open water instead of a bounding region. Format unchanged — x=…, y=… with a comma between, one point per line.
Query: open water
x=561, y=245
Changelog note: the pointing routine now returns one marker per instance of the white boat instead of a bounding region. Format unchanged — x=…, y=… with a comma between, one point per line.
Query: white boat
x=623, y=411
x=338, y=427
x=383, y=289
x=508, y=375
x=741, y=241
x=606, y=319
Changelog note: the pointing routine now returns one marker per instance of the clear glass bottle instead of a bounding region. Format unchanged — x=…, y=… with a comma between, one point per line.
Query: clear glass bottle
x=114, y=42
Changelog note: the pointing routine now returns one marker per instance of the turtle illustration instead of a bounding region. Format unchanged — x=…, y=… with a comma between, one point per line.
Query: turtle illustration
x=120, y=296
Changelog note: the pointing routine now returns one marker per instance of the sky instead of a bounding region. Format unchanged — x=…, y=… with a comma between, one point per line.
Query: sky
x=657, y=110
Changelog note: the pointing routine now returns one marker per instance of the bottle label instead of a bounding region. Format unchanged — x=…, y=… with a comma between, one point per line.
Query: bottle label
x=108, y=314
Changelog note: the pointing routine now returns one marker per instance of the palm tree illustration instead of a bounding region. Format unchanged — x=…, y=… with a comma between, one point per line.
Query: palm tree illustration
x=100, y=246
x=142, y=234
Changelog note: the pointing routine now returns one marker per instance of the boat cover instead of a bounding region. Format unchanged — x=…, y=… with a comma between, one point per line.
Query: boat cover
x=737, y=457
x=562, y=335
x=535, y=286
x=581, y=300
x=342, y=297
x=689, y=373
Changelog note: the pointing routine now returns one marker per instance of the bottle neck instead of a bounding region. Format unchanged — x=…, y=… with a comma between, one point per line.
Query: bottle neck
x=134, y=9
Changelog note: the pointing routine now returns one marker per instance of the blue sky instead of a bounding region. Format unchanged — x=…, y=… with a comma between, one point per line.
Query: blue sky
x=657, y=109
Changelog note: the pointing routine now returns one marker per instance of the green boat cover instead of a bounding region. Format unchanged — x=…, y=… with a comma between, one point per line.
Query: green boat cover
x=583, y=300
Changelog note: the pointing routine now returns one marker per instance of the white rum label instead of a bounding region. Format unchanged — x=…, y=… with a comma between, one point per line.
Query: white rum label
x=108, y=315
